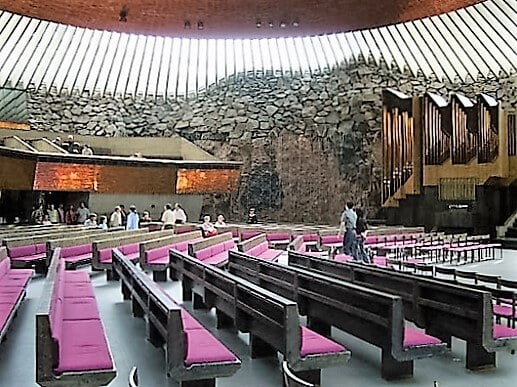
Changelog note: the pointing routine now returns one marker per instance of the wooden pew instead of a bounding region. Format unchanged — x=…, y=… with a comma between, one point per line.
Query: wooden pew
x=59, y=358
x=271, y=320
x=213, y=250
x=368, y=314
x=258, y=247
x=154, y=253
x=171, y=326
x=128, y=244
x=444, y=310
x=13, y=285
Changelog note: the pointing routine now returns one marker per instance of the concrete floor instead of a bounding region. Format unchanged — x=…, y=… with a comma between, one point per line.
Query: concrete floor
x=126, y=336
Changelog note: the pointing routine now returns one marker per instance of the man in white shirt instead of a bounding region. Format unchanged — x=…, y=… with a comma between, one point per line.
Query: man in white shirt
x=179, y=215
x=116, y=218
x=83, y=213
x=168, y=217
x=348, y=223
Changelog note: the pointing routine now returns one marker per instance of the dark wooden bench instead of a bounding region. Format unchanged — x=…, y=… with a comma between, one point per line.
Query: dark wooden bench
x=154, y=253
x=271, y=320
x=13, y=285
x=213, y=250
x=194, y=357
x=370, y=315
x=443, y=309
x=129, y=245
x=71, y=344
x=258, y=246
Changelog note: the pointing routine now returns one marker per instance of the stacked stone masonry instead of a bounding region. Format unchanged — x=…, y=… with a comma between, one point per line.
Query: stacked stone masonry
x=308, y=142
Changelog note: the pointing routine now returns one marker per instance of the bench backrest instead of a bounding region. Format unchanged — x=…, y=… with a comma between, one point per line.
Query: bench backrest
x=157, y=243
x=465, y=313
x=233, y=228
x=248, y=244
x=193, y=248
x=372, y=315
x=185, y=228
x=5, y=263
x=51, y=230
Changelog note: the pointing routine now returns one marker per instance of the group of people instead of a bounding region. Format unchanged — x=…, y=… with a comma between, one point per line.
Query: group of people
x=353, y=226
x=72, y=146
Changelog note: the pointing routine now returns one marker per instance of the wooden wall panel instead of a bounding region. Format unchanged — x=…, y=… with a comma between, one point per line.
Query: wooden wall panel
x=16, y=173
x=203, y=181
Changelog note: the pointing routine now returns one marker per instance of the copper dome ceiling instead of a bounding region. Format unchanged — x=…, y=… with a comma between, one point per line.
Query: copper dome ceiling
x=231, y=18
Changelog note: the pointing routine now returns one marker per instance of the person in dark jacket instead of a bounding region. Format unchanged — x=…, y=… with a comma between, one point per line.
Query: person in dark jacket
x=358, y=250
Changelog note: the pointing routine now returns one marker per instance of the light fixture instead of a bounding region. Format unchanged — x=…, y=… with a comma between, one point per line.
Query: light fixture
x=187, y=25
x=271, y=25
x=296, y=23
x=200, y=25
x=282, y=25
x=122, y=15
x=259, y=24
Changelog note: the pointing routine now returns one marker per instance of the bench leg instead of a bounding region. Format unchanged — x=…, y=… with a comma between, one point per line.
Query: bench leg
x=223, y=321
x=198, y=383
x=198, y=302
x=186, y=291
x=41, y=268
x=478, y=358
x=137, y=309
x=310, y=376
x=392, y=369
x=442, y=336
x=173, y=274
x=160, y=276
x=259, y=348
x=153, y=335
x=318, y=326
x=112, y=275
x=126, y=293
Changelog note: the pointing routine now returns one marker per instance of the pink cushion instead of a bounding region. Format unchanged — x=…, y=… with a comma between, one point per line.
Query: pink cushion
x=130, y=248
x=235, y=233
x=204, y=253
x=279, y=236
x=18, y=275
x=80, y=309
x=105, y=255
x=22, y=251
x=77, y=276
x=270, y=254
x=28, y=258
x=217, y=259
x=41, y=248
x=83, y=347
x=202, y=347
x=72, y=251
x=370, y=240
x=5, y=312
x=158, y=255
x=5, y=266
x=249, y=234
x=228, y=245
x=218, y=248
x=414, y=338
x=504, y=332
x=78, y=290
x=133, y=256
x=313, y=344
x=78, y=258
x=181, y=246
x=5, y=281
x=328, y=239
x=343, y=258
x=310, y=237
x=189, y=322
x=503, y=310
x=9, y=298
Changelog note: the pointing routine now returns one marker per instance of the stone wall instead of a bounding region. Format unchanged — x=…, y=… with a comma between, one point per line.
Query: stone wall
x=308, y=143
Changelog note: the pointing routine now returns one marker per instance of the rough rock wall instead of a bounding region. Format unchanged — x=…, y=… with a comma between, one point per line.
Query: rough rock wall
x=308, y=143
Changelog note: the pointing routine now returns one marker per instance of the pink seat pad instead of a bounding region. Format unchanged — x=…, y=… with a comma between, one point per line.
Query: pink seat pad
x=13, y=282
x=343, y=258
x=78, y=258
x=77, y=276
x=504, y=332
x=414, y=338
x=78, y=290
x=158, y=255
x=130, y=248
x=35, y=257
x=11, y=291
x=503, y=310
x=5, y=312
x=24, y=275
x=83, y=346
x=313, y=344
x=270, y=254
x=9, y=298
x=22, y=251
x=80, y=309
x=189, y=322
x=217, y=259
x=105, y=255
x=132, y=256
x=203, y=348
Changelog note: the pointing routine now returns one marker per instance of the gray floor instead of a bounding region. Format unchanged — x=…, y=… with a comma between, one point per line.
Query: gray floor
x=126, y=338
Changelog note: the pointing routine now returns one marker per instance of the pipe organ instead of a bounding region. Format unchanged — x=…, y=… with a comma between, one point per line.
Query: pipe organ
x=464, y=129
x=436, y=131
x=398, y=139
x=511, y=122
x=488, y=124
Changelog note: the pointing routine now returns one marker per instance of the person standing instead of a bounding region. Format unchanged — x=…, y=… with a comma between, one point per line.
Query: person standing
x=358, y=250
x=123, y=214
x=61, y=213
x=116, y=218
x=168, y=219
x=83, y=213
x=179, y=215
x=347, y=224
x=70, y=216
x=53, y=215
x=132, y=219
